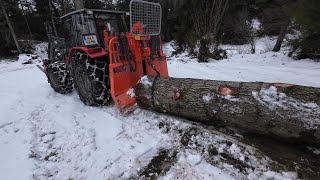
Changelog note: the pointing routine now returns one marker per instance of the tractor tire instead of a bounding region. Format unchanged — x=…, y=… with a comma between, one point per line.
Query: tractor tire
x=91, y=79
x=59, y=78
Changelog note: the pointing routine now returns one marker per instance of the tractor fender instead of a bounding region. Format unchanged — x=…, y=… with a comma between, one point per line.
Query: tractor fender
x=93, y=53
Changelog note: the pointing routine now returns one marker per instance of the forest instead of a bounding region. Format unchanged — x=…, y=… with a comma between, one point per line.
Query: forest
x=198, y=27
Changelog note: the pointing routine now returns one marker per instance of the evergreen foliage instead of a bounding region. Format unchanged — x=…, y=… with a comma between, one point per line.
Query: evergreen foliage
x=182, y=28
x=307, y=15
x=186, y=22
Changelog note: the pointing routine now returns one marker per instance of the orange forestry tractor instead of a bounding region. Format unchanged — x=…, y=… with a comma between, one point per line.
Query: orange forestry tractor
x=98, y=56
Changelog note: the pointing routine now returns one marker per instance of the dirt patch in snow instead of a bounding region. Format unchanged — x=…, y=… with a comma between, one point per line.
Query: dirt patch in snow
x=159, y=165
x=288, y=157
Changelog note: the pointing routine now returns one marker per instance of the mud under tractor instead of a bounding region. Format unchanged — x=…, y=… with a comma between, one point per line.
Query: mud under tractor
x=101, y=58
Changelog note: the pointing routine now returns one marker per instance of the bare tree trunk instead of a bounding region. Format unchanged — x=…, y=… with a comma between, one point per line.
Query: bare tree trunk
x=28, y=26
x=289, y=112
x=281, y=36
x=253, y=44
x=26, y=17
x=218, y=18
x=64, y=5
x=10, y=27
x=52, y=19
x=79, y=4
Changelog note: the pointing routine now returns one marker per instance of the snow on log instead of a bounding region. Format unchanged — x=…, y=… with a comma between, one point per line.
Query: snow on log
x=285, y=111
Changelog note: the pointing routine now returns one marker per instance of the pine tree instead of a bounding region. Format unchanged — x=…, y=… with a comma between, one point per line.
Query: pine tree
x=307, y=15
x=123, y=5
x=10, y=21
x=183, y=30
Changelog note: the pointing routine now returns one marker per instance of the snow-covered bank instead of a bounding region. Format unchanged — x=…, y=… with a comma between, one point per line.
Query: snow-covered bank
x=263, y=66
x=45, y=135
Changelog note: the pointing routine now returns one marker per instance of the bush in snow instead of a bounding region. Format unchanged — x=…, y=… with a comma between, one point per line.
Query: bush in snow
x=307, y=15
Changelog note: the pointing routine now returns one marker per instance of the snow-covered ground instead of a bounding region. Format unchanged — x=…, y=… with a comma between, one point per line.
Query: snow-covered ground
x=265, y=66
x=45, y=135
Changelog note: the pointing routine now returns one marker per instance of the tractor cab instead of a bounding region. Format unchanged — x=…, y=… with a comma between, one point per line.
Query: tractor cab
x=85, y=28
x=92, y=29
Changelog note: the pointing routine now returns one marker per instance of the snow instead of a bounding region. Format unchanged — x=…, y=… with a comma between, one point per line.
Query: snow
x=263, y=66
x=256, y=24
x=145, y=81
x=315, y=151
x=191, y=167
x=231, y=98
x=45, y=135
x=235, y=150
x=41, y=50
x=85, y=140
x=207, y=98
x=65, y=138
x=273, y=175
x=131, y=93
x=273, y=100
x=27, y=5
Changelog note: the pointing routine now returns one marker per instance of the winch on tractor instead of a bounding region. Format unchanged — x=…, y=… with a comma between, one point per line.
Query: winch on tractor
x=98, y=56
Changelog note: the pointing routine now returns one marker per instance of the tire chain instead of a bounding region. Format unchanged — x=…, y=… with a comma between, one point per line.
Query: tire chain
x=63, y=76
x=98, y=74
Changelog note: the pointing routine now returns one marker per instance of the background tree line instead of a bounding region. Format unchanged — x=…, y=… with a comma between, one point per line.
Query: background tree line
x=197, y=26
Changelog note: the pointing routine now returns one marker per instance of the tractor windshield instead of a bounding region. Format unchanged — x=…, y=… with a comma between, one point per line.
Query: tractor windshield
x=86, y=28
x=106, y=22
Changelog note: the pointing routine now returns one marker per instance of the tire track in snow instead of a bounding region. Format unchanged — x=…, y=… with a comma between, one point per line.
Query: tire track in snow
x=9, y=69
x=6, y=124
x=59, y=153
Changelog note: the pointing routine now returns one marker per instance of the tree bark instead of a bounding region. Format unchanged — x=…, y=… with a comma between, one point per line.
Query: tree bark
x=289, y=112
x=79, y=4
x=52, y=19
x=28, y=26
x=10, y=27
x=281, y=36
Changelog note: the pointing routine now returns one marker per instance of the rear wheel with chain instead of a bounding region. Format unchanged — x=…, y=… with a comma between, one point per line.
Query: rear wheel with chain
x=91, y=79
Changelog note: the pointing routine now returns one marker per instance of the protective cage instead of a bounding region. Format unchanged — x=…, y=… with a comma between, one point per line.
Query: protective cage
x=145, y=18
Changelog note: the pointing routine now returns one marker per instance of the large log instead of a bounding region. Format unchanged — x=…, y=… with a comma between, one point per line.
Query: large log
x=285, y=111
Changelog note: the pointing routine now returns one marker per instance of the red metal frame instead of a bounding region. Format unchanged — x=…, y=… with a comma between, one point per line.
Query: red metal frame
x=122, y=79
x=93, y=53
